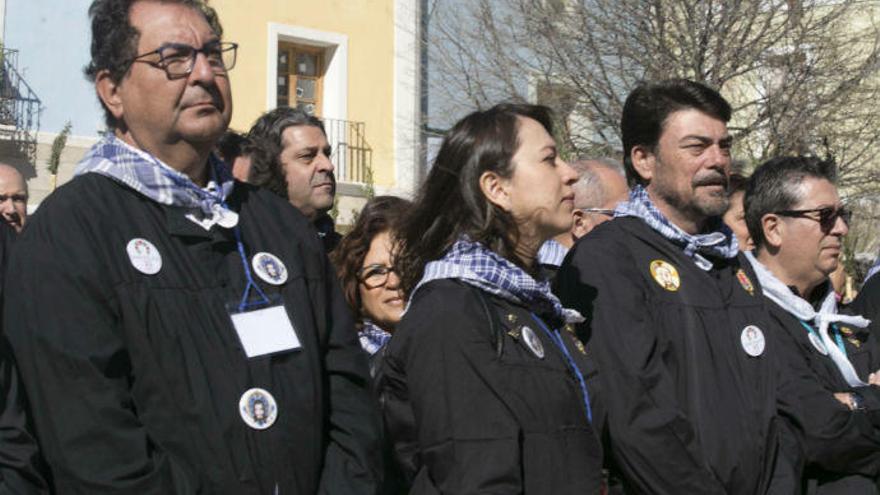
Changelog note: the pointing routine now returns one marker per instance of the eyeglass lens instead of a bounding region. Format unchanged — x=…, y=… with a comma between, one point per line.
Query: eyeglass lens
x=375, y=275
x=828, y=217
x=179, y=59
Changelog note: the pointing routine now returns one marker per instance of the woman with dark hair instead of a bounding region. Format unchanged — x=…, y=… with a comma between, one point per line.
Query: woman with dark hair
x=366, y=272
x=480, y=388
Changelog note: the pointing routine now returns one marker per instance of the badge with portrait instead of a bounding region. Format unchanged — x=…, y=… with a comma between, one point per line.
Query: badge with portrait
x=264, y=328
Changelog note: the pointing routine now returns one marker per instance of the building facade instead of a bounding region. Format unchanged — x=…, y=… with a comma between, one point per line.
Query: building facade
x=353, y=63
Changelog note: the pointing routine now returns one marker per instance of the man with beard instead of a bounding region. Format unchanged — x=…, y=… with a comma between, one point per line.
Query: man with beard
x=292, y=159
x=146, y=325
x=683, y=376
x=797, y=222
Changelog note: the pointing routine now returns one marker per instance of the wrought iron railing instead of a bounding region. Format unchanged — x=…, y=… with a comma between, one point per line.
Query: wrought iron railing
x=19, y=107
x=352, y=155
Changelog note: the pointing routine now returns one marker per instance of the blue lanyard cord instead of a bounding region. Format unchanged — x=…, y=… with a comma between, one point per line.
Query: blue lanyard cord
x=837, y=337
x=251, y=284
x=557, y=339
x=244, y=304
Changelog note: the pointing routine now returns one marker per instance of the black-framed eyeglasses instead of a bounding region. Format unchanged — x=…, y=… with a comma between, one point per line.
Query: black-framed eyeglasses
x=598, y=211
x=827, y=216
x=178, y=59
x=375, y=275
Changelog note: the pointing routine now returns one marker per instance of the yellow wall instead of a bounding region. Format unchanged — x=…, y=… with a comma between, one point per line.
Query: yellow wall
x=369, y=25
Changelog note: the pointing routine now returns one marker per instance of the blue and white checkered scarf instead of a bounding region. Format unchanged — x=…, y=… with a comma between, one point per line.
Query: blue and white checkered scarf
x=372, y=337
x=552, y=253
x=721, y=243
x=873, y=270
x=147, y=175
x=474, y=264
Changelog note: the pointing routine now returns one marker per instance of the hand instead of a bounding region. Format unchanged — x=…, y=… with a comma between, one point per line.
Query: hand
x=844, y=399
x=874, y=378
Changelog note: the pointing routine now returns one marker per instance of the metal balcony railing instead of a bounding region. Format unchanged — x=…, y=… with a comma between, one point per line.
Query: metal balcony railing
x=352, y=155
x=19, y=107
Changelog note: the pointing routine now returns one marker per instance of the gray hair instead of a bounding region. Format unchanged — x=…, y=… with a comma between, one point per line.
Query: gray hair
x=589, y=191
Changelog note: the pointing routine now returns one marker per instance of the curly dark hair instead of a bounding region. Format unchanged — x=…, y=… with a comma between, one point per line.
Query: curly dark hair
x=450, y=202
x=266, y=133
x=115, y=40
x=233, y=145
x=380, y=214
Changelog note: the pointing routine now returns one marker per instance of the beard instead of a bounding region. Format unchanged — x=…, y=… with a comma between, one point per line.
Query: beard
x=702, y=203
x=711, y=204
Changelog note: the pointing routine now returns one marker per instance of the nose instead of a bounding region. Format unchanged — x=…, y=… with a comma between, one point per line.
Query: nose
x=7, y=205
x=840, y=227
x=324, y=163
x=202, y=71
x=393, y=282
x=719, y=157
x=569, y=175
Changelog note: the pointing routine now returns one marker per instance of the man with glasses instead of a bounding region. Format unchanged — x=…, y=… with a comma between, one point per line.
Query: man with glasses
x=13, y=197
x=797, y=222
x=158, y=300
x=600, y=187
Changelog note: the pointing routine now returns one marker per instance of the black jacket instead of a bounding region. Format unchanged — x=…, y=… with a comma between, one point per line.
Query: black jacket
x=842, y=447
x=135, y=379
x=21, y=469
x=867, y=303
x=472, y=409
x=685, y=408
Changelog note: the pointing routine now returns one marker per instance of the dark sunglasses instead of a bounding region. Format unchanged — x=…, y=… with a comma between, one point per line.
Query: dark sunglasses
x=827, y=216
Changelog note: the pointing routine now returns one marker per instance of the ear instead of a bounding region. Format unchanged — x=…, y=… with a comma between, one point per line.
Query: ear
x=109, y=92
x=581, y=224
x=494, y=188
x=774, y=230
x=643, y=161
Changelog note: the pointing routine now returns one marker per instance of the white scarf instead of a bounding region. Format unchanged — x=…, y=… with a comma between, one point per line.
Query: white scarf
x=779, y=293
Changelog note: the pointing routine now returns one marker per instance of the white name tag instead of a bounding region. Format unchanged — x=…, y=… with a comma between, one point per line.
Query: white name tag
x=265, y=331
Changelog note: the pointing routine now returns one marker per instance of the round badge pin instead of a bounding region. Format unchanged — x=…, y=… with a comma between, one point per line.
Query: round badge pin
x=258, y=408
x=818, y=344
x=144, y=256
x=665, y=275
x=533, y=342
x=752, y=339
x=269, y=268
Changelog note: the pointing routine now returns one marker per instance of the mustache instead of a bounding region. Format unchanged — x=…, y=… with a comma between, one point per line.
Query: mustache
x=323, y=177
x=711, y=179
x=211, y=93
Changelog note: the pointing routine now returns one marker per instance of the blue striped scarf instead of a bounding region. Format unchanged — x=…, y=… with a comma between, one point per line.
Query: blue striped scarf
x=720, y=243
